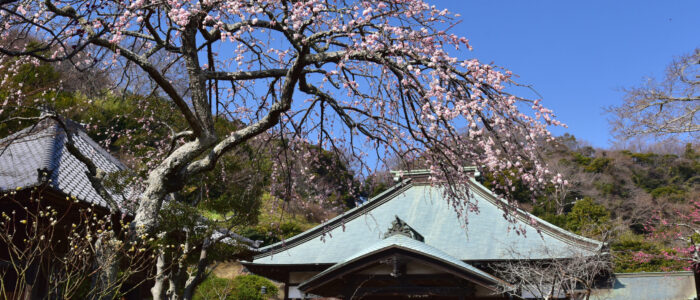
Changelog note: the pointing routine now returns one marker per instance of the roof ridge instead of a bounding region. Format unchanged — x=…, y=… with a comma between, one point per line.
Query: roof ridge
x=81, y=132
x=38, y=154
x=50, y=162
x=331, y=224
x=653, y=274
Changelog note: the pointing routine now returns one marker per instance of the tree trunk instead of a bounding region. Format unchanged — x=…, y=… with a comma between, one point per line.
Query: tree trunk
x=158, y=289
x=192, y=282
x=197, y=276
x=107, y=264
x=560, y=208
x=176, y=282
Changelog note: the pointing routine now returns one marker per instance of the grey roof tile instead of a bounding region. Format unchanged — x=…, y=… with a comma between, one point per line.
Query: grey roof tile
x=20, y=160
x=42, y=147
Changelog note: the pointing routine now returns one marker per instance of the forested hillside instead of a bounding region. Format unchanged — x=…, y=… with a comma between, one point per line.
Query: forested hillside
x=613, y=195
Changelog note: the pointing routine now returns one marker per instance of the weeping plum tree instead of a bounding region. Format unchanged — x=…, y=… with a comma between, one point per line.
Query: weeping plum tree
x=367, y=80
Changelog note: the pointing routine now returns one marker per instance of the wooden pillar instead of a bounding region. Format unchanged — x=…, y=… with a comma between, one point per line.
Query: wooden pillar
x=286, y=287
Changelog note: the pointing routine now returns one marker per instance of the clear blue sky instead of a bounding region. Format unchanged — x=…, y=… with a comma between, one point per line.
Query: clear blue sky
x=578, y=54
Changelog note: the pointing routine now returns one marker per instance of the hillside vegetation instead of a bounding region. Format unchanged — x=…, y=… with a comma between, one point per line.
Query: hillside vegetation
x=612, y=195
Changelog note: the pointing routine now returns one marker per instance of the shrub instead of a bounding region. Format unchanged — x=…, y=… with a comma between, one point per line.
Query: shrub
x=668, y=190
x=245, y=287
x=612, y=188
x=628, y=244
x=598, y=165
x=270, y=234
x=587, y=217
x=248, y=287
x=214, y=288
x=644, y=158
x=581, y=159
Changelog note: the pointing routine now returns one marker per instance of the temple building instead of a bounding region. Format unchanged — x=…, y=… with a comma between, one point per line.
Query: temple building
x=36, y=163
x=409, y=242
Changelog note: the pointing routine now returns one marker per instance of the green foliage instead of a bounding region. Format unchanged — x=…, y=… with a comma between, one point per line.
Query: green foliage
x=644, y=158
x=668, y=190
x=274, y=224
x=667, y=176
x=332, y=171
x=35, y=77
x=591, y=164
x=244, y=287
x=587, y=217
x=290, y=229
x=618, y=179
x=248, y=287
x=546, y=210
x=34, y=81
x=374, y=186
x=557, y=220
x=598, y=165
x=627, y=244
x=647, y=180
x=270, y=235
x=581, y=159
x=240, y=202
x=612, y=188
x=214, y=288
x=520, y=192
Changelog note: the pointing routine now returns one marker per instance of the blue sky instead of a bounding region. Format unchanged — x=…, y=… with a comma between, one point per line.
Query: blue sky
x=578, y=54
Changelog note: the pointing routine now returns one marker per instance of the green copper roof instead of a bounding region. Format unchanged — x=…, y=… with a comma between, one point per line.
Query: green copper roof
x=411, y=245
x=652, y=285
x=486, y=237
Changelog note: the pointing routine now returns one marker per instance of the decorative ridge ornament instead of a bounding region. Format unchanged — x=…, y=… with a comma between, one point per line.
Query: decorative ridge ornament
x=425, y=175
x=398, y=226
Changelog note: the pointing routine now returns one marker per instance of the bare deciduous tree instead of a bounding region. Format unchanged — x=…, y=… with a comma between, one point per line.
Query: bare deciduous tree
x=572, y=278
x=575, y=179
x=662, y=108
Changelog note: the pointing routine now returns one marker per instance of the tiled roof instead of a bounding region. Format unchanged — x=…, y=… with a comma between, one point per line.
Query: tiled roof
x=486, y=237
x=411, y=245
x=25, y=155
